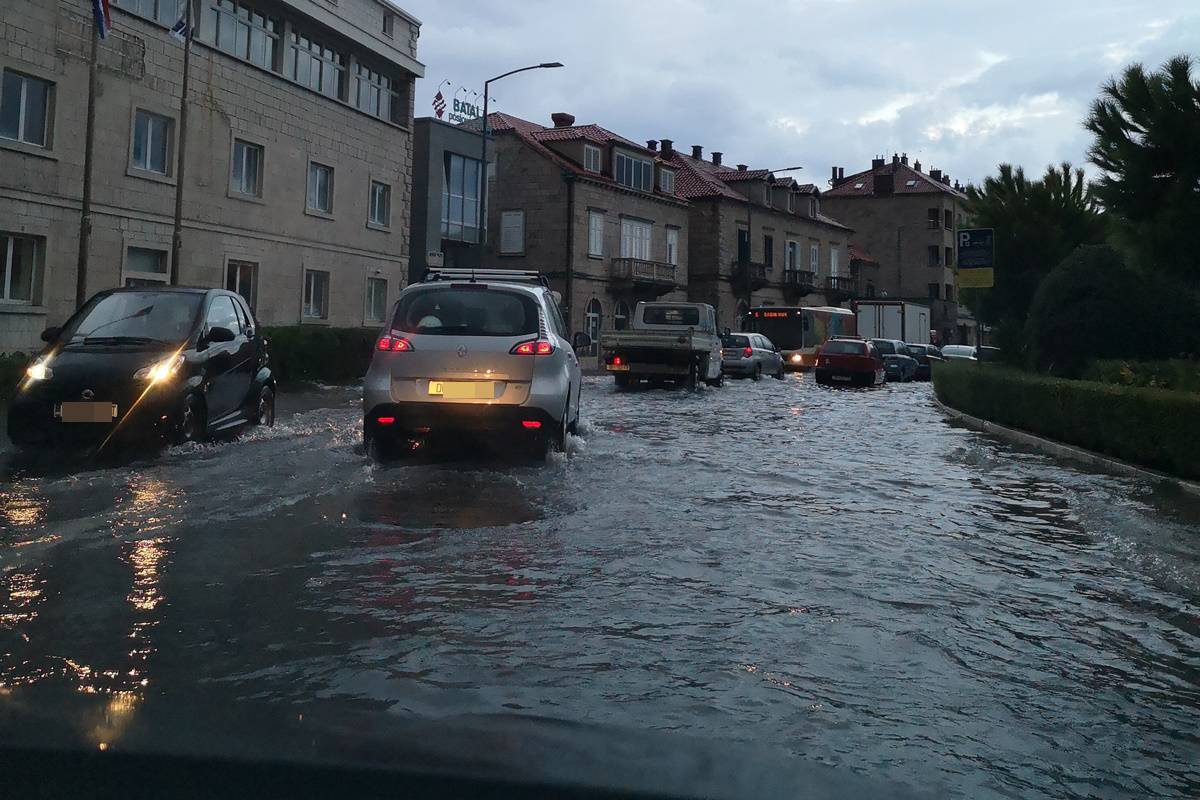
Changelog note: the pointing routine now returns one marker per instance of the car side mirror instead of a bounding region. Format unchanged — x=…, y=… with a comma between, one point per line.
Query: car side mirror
x=51, y=333
x=219, y=333
x=582, y=341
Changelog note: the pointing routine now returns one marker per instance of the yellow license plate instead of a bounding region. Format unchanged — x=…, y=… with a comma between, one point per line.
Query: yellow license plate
x=463, y=390
x=618, y=368
x=87, y=412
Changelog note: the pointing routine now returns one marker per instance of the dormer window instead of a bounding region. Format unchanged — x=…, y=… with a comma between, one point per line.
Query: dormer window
x=634, y=172
x=812, y=207
x=767, y=195
x=591, y=158
x=791, y=202
x=666, y=181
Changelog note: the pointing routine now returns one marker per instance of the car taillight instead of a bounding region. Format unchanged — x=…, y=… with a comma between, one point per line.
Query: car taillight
x=394, y=344
x=536, y=348
x=747, y=352
x=617, y=361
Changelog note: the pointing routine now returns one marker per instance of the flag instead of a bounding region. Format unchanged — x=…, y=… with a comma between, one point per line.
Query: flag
x=439, y=104
x=103, y=17
x=182, y=29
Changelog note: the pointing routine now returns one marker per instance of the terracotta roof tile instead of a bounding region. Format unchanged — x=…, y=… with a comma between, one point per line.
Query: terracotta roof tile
x=858, y=253
x=862, y=184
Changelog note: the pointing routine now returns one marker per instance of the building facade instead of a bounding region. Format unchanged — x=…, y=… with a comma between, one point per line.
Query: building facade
x=756, y=239
x=598, y=213
x=908, y=219
x=298, y=157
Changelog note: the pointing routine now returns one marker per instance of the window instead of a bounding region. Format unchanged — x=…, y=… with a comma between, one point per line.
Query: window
x=666, y=181
x=376, y=300
x=935, y=255
x=151, y=142
x=635, y=239
x=621, y=315
x=769, y=251
x=813, y=208
x=381, y=204
x=933, y=219
x=870, y=290
x=223, y=314
x=591, y=158
x=592, y=318
x=512, y=232
x=316, y=294
x=460, y=198
x=814, y=258
x=792, y=256
x=791, y=204
x=949, y=291
x=238, y=30
x=378, y=95
x=673, y=246
x=166, y=12
x=242, y=277
x=595, y=233
x=145, y=266
x=949, y=262
x=389, y=24
x=320, y=68
x=449, y=311
x=910, y=183
x=25, y=109
x=246, y=171
x=834, y=257
x=636, y=173
x=20, y=263
x=935, y=291
x=320, y=188
x=949, y=221
x=743, y=245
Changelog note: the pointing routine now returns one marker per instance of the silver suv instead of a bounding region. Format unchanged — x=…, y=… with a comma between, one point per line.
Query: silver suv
x=478, y=352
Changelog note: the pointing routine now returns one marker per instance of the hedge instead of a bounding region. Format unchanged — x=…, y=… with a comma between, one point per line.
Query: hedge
x=1156, y=428
x=317, y=353
x=1179, y=374
x=12, y=369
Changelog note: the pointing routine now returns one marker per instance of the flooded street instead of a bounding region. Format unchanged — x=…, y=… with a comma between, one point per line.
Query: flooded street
x=841, y=575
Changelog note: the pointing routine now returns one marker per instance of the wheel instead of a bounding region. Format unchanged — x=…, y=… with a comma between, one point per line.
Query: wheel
x=558, y=440
x=717, y=381
x=757, y=372
x=191, y=422
x=690, y=383
x=265, y=415
x=779, y=375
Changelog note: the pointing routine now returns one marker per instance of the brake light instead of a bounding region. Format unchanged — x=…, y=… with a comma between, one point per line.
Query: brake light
x=747, y=352
x=536, y=348
x=385, y=420
x=531, y=423
x=394, y=344
x=617, y=361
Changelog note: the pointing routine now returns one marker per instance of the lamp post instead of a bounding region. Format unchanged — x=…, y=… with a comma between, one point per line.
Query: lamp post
x=483, y=150
x=750, y=240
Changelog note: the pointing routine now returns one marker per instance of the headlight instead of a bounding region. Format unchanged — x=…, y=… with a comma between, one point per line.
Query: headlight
x=796, y=358
x=38, y=371
x=163, y=370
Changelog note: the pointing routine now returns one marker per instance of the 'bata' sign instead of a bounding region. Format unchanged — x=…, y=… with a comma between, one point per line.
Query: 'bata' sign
x=460, y=110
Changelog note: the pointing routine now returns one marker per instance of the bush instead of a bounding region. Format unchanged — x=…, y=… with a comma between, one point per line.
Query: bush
x=317, y=353
x=1177, y=374
x=12, y=369
x=1153, y=427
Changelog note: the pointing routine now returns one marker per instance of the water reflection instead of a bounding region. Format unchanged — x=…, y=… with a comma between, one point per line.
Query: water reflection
x=22, y=504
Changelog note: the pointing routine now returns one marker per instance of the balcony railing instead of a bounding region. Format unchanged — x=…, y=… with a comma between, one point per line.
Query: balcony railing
x=842, y=284
x=641, y=271
x=749, y=274
x=799, y=280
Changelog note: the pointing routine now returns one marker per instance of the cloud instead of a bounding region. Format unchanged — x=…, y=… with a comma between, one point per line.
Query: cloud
x=988, y=120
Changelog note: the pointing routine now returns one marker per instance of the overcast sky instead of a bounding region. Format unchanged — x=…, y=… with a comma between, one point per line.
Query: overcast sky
x=960, y=84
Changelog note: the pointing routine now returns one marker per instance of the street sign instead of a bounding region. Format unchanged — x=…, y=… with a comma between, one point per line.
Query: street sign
x=977, y=278
x=976, y=248
x=435, y=258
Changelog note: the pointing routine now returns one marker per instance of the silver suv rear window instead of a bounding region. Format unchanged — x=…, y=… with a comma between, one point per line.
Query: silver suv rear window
x=467, y=311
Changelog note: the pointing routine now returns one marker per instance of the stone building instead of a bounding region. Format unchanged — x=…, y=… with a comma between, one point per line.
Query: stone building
x=447, y=182
x=757, y=239
x=908, y=219
x=598, y=213
x=298, y=156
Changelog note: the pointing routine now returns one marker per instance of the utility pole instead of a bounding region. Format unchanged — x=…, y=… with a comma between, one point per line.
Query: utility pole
x=89, y=137
x=181, y=161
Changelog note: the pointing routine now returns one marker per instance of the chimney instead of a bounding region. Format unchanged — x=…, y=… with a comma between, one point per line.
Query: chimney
x=957, y=186
x=697, y=152
x=946, y=178
x=833, y=179
x=841, y=174
x=741, y=167
x=876, y=163
x=917, y=166
x=668, y=148
x=885, y=185
x=904, y=159
x=716, y=158
x=936, y=174
x=652, y=145
x=562, y=119
x=895, y=158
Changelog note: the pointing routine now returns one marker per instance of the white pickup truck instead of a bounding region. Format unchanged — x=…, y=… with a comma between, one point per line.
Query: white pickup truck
x=666, y=342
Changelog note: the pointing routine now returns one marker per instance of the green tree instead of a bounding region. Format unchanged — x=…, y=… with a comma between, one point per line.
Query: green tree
x=1037, y=224
x=1147, y=144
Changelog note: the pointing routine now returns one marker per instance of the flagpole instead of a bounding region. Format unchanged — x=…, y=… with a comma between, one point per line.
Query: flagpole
x=177, y=233
x=85, y=214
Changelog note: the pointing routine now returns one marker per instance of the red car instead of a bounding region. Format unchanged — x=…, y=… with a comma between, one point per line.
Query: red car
x=849, y=361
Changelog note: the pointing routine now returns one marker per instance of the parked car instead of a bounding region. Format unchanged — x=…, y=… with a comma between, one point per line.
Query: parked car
x=897, y=364
x=750, y=355
x=849, y=361
x=987, y=354
x=958, y=352
x=666, y=342
x=926, y=355
x=477, y=353
x=158, y=363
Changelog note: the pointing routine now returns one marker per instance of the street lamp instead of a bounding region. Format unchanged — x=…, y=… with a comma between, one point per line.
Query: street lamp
x=484, y=130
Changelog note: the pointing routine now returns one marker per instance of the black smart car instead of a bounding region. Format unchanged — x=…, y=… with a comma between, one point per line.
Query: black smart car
x=161, y=363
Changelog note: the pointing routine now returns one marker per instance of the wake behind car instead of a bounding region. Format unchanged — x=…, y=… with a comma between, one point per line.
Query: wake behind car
x=146, y=363
x=897, y=364
x=481, y=353
x=849, y=362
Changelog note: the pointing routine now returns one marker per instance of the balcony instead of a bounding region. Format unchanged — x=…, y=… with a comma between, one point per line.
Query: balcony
x=749, y=276
x=798, y=283
x=639, y=273
x=840, y=287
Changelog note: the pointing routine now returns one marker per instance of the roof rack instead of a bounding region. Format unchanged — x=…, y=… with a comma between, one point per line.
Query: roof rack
x=472, y=275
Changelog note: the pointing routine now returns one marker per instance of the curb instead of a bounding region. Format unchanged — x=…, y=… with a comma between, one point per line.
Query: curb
x=1066, y=451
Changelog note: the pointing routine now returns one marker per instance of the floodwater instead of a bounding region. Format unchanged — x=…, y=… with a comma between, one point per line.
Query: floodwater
x=841, y=576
